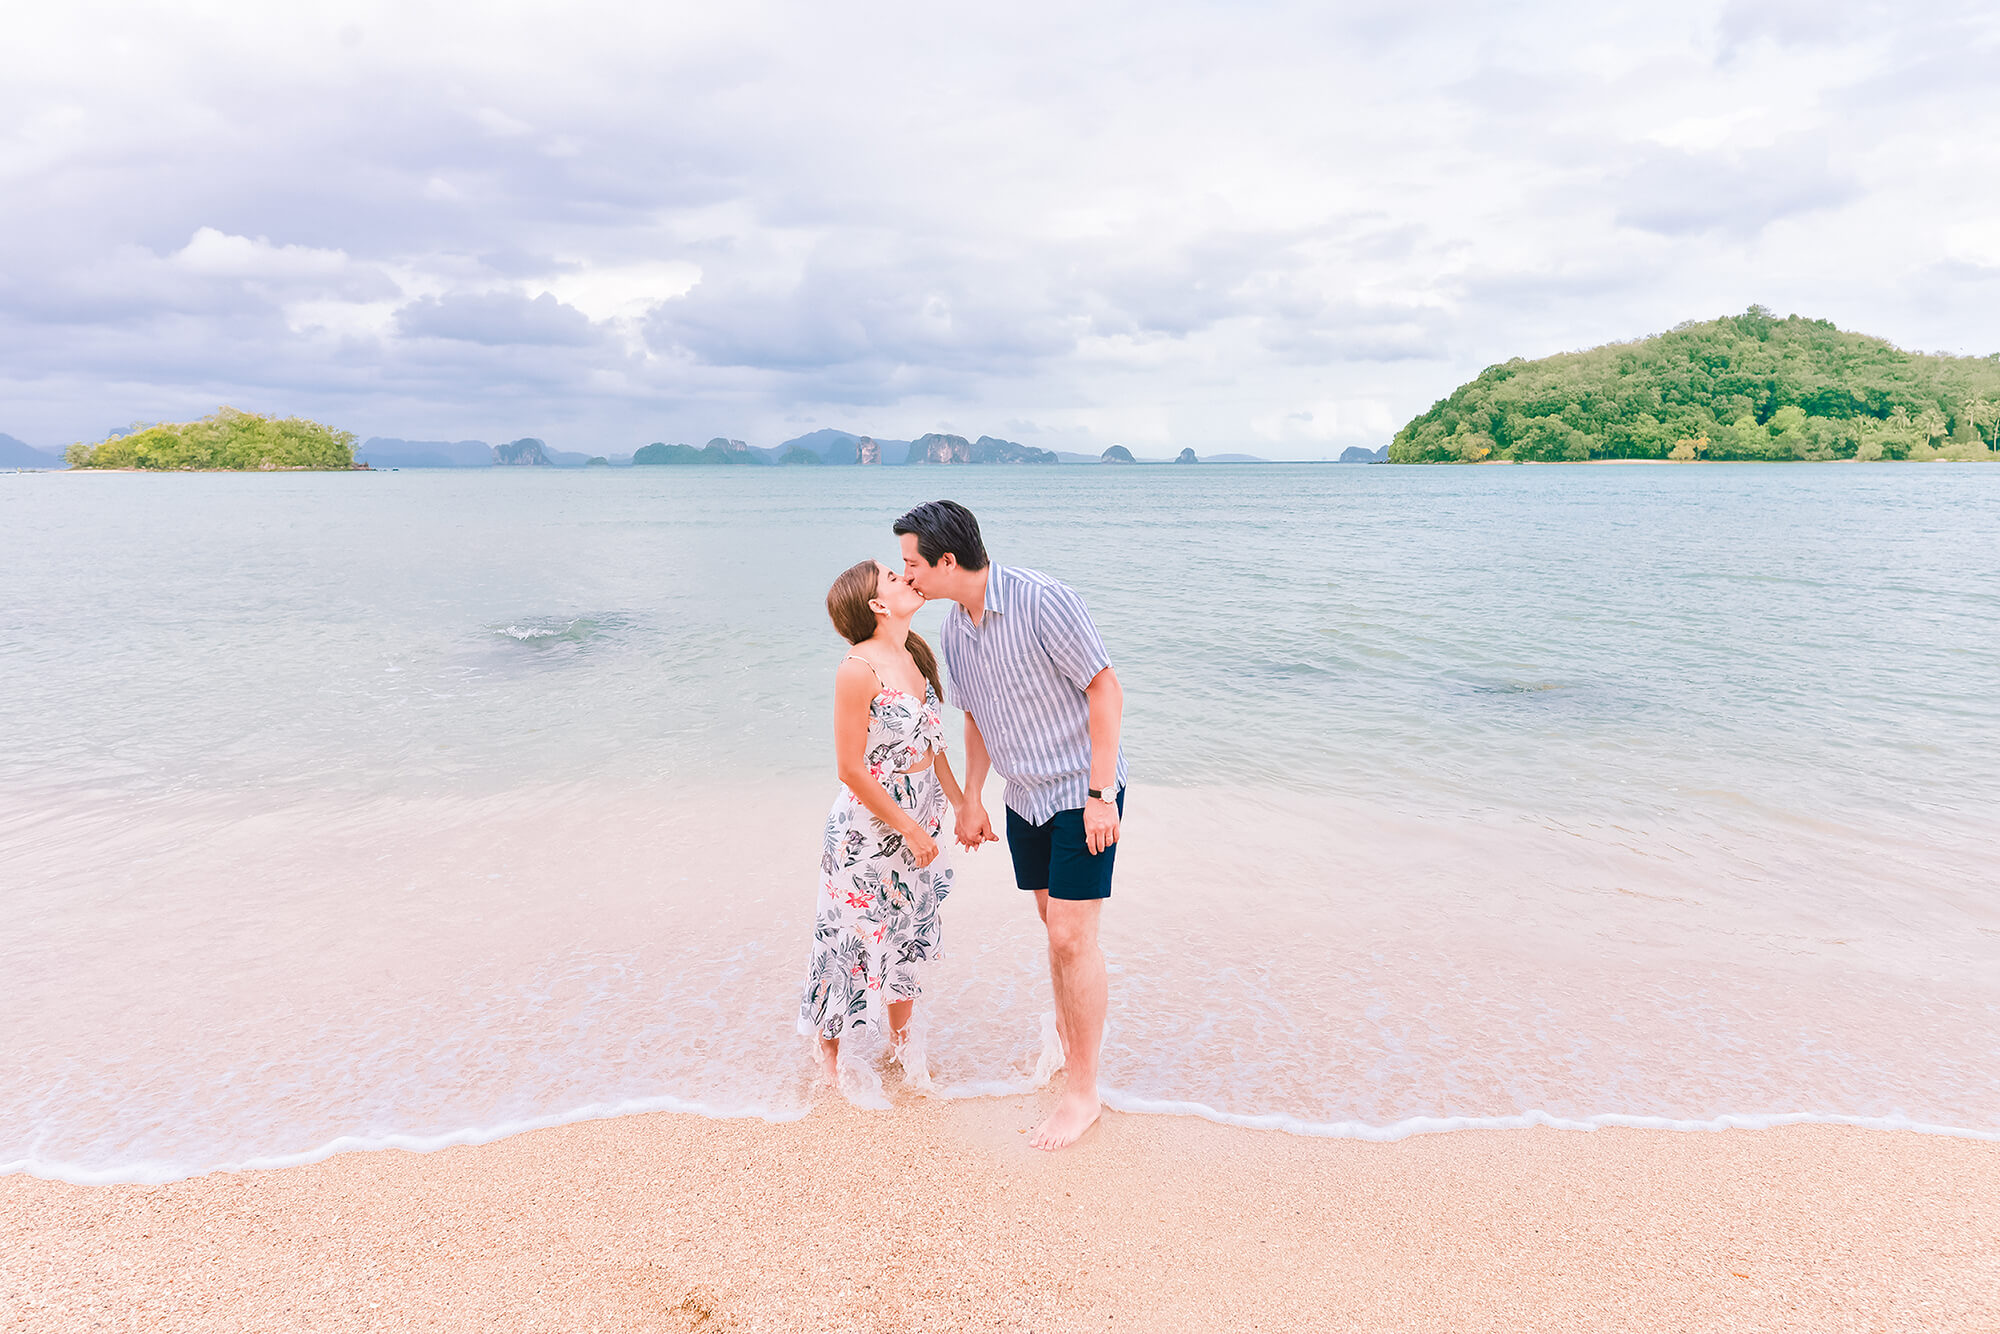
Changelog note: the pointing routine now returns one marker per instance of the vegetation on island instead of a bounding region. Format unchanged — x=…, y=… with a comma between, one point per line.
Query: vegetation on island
x=527, y=452
x=225, y=440
x=1749, y=386
x=938, y=447
x=717, y=451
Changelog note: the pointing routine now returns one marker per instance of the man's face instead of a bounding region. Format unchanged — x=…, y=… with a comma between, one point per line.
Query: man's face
x=915, y=569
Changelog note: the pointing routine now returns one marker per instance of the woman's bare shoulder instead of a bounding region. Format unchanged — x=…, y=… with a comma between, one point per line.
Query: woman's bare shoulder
x=854, y=670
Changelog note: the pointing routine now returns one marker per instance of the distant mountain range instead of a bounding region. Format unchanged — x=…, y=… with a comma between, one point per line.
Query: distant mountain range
x=825, y=446
x=387, y=452
x=20, y=454
x=382, y=452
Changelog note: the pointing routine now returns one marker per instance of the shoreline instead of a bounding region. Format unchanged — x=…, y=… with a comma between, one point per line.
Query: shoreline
x=937, y=1216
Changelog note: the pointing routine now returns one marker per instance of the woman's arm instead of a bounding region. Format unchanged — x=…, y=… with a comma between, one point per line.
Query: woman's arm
x=854, y=689
x=945, y=779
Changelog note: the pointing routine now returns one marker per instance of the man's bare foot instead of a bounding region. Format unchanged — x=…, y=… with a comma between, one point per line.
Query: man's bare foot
x=829, y=1062
x=1074, y=1114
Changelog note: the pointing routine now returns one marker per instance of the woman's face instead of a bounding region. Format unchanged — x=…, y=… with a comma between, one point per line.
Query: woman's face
x=895, y=592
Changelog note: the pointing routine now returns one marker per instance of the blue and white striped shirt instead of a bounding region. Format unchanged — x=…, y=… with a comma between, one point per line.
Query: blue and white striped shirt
x=1020, y=673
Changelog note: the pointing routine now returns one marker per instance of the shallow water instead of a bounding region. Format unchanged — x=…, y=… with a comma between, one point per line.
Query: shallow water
x=416, y=807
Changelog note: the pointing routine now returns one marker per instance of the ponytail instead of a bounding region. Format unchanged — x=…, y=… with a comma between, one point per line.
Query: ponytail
x=926, y=662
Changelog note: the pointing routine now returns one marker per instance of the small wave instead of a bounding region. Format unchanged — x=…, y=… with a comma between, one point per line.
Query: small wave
x=554, y=631
x=158, y=1173
x=1428, y=1125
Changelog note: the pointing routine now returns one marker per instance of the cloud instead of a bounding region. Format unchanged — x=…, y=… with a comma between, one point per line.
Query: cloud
x=213, y=254
x=1678, y=193
x=1176, y=224
x=497, y=319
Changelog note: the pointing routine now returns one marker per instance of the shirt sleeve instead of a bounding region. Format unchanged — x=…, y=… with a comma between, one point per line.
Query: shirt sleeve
x=1068, y=636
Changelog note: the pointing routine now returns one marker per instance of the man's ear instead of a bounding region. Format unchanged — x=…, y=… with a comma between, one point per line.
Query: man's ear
x=947, y=560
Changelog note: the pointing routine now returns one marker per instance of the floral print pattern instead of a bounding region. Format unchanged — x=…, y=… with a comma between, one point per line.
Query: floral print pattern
x=877, y=921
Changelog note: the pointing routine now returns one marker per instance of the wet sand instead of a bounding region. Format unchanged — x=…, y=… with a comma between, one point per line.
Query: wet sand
x=936, y=1216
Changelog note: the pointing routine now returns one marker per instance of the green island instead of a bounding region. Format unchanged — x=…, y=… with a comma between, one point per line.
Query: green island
x=226, y=441
x=1749, y=386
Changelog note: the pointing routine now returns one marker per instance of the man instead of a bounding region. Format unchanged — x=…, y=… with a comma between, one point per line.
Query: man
x=1042, y=706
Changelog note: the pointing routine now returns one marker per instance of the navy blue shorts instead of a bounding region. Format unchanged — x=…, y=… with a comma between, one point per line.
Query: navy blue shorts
x=1054, y=857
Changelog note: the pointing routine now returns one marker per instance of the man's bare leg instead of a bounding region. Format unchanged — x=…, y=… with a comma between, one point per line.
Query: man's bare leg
x=1055, y=969
x=1077, y=974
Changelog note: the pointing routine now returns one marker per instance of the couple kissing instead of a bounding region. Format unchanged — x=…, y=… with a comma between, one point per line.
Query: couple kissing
x=1042, y=707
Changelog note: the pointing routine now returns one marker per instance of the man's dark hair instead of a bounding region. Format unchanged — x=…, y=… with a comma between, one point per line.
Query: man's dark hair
x=945, y=525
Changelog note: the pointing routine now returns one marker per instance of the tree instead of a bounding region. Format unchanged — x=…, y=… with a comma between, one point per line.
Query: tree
x=1788, y=432
x=1980, y=414
x=1471, y=446
x=1688, y=449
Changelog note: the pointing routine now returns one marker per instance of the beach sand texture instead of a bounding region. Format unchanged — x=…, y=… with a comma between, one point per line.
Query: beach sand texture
x=936, y=1216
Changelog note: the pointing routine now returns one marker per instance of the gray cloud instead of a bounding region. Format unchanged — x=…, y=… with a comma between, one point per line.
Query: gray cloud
x=1283, y=229
x=497, y=319
x=1686, y=194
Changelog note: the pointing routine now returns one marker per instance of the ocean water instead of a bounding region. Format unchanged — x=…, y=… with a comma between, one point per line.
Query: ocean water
x=356, y=810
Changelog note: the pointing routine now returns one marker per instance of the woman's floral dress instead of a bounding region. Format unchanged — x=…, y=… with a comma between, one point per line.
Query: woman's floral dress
x=877, y=923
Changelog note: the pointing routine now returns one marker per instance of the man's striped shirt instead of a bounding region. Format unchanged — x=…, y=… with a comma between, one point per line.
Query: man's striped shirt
x=1020, y=673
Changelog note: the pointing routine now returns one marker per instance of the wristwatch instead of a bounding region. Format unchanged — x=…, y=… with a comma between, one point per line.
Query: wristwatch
x=1109, y=794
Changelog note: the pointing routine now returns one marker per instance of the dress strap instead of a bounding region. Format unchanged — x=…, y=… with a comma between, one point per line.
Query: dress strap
x=856, y=657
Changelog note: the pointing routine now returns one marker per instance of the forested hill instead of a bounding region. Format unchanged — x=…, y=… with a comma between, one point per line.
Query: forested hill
x=1748, y=386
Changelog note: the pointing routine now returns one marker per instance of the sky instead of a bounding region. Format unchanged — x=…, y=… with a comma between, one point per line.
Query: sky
x=1271, y=228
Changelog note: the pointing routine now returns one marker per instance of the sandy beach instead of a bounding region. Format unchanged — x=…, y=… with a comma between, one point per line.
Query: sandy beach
x=936, y=1216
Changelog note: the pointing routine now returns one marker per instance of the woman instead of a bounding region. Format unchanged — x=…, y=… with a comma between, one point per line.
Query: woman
x=881, y=878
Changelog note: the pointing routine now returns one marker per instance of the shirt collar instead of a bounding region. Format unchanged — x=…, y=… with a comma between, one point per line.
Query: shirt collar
x=999, y=590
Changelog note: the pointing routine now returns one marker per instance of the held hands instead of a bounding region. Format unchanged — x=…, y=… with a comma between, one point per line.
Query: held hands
x=972, y=826
x=1100, y=825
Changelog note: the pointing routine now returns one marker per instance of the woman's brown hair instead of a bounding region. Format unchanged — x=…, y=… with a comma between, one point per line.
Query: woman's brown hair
x=847, y=604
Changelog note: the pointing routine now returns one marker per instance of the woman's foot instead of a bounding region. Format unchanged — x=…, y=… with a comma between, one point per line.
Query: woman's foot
x=899, y=1043
x=829, y=1062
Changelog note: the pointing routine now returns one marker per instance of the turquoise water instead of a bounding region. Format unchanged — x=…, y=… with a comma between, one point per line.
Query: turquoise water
x=1471, y=720
x=1812, y=639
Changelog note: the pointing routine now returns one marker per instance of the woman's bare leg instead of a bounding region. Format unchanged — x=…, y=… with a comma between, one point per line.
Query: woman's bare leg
x=899, y=1020
x=829, y=1061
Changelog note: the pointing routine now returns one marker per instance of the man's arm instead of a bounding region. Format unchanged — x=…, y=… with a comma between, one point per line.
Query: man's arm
x=972, y=825
x=1107, y=712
